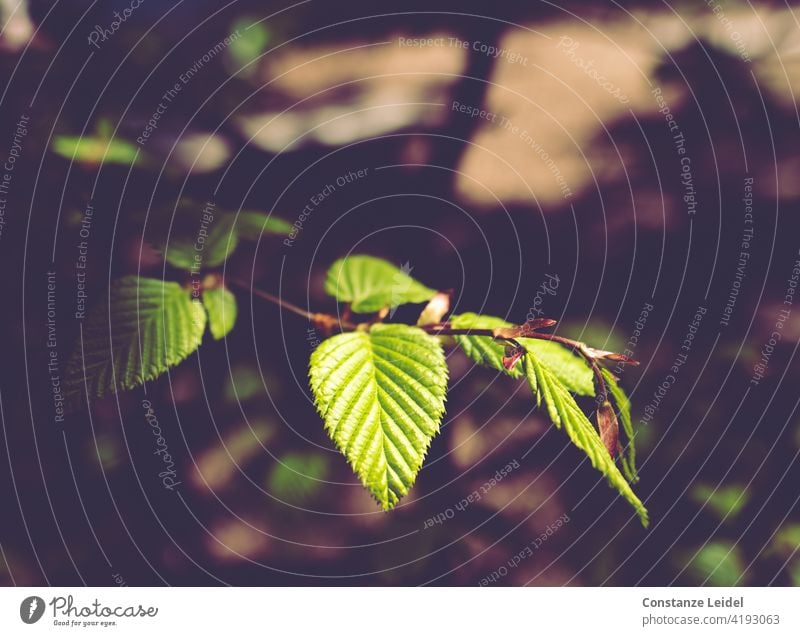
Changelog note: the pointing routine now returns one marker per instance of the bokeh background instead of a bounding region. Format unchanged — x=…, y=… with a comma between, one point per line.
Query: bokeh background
x=626, y=148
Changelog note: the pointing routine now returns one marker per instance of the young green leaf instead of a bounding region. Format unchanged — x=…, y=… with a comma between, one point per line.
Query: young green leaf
x=202, y=236
x=570, y=369
x=147, y=326
x=623, y=405
x=482, y=349
x=566, y=414
x=250, y=225
x=95, y=150
x=381, y=393
x=370, y=284
x=220, y=306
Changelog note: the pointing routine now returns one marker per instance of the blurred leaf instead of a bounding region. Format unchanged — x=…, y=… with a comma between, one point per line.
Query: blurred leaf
x=250, y=225
x=202, y=236
x=106, y=450
x=786, y=542
x=381, y=394
x=298, y=477
x=371, y=284
x=191, y=251
x=252, y=42
x=220, y=305
x=97, y=149
x=147, y=326
x=723, y=501
x=595, y=331
x=718, y=563
x=565, y=412
x=244, y=383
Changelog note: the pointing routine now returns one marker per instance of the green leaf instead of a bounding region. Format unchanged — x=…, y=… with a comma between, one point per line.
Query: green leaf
x=623, y=405
x=193, y=251
x=147, y=327
x=202, y=236
x=482, y=349
x=381, y=393
x=297, y=477
x=570, y=369
x=254, y=36
x=220, y=305
x=95, y=150
x=566, y=414
x=725, y=502
x=250, y=225
x=370, y=284
x=718, y=563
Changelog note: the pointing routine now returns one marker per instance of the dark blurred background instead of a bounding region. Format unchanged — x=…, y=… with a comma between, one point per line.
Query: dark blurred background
x=626, y=148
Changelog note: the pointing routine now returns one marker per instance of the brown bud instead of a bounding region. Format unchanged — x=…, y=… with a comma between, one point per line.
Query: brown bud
x=609, y=428
x=513, y=354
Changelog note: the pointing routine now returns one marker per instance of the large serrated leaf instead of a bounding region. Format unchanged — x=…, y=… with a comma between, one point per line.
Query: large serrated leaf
x=220, y=306
x=566, y=414
x=370, y=284
x=381, y=393
x=147, y=326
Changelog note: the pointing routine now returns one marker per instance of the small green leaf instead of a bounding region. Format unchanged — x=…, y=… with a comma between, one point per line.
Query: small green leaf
x=566, y=414
x=725, y=502
x=147, y=326
x=220, y=305
x=718, y=563
x=370, y=284
x=250, y=225
x=570, y=369
x=200, y=251
x=254, y=36
x=201, y=236
x=381, y=393
x=297, y=477
x=623, y=405
x=95, y=150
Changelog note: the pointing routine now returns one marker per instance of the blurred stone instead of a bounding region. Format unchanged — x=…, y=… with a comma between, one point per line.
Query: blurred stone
x=199, y=153
x=336, y=95
x=235, y=539
x=550, y=112
x=215, y=468
x=470, y=442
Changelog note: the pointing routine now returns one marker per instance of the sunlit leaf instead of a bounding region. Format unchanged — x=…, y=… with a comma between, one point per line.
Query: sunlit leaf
x=147, y=326
x=370, y=284
x=381, y=393
x=566, y=414
x=220, y=305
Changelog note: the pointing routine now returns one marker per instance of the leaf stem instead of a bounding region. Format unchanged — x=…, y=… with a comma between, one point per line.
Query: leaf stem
x=322, y=320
